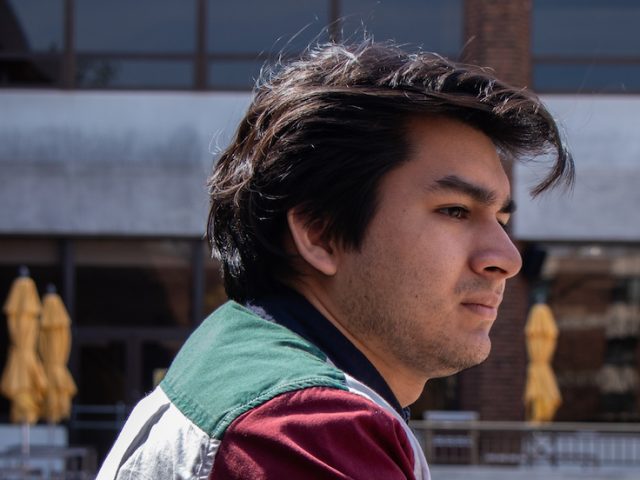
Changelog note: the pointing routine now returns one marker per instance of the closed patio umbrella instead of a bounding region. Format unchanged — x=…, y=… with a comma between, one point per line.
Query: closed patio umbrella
x=542, y=397
x=54, y=347
x=23, y=380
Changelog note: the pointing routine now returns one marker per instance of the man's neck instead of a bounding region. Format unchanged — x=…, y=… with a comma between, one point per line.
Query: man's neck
x=404, y=383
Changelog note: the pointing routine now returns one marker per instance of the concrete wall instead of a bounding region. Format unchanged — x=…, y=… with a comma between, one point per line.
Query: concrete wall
x=136, y=163
x=114, y=163
x=602, y=132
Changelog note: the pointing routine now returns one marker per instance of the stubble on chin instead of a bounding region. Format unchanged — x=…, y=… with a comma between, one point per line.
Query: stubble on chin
x=427, y=352
x=418, y=337
x=456, y=360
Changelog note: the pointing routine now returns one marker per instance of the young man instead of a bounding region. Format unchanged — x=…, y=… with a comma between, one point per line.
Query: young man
x=359, y=216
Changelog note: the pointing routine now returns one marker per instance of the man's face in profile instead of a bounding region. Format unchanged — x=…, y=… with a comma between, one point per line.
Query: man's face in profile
x=424, y=288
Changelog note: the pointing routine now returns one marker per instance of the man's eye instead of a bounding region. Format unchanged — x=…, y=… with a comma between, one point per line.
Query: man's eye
x=455, y=212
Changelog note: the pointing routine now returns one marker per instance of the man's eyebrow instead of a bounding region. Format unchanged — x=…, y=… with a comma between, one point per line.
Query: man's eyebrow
x=477, y=192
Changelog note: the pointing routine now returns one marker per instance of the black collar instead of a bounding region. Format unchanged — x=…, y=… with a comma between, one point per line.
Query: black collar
x=294, y=312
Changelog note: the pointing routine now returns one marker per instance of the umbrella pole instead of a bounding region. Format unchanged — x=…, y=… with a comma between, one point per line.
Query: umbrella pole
x=25, y=448
x=51, y=437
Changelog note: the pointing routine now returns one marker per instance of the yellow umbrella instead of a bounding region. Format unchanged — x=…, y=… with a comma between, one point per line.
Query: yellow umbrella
x=542, y=397
x=23, y=380
x=55, y=346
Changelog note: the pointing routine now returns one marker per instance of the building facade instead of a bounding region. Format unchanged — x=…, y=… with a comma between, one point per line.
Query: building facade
x=111, y=114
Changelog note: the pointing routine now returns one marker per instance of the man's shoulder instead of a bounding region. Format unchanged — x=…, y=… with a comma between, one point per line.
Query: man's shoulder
x=236, y=361
x=316, y=433
x=310, y=433
x=243, y=388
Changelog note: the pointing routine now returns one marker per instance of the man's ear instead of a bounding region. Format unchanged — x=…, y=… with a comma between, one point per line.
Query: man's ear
x=311, y=243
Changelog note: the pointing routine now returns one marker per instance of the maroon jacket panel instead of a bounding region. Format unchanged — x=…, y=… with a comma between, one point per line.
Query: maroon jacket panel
x=316, y=433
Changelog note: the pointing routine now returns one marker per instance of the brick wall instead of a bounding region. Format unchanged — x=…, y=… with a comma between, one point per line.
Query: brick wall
x=498, y=36
x=495, y=388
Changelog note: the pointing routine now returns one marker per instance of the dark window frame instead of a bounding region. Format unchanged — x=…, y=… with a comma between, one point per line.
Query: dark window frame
x=580, y=60
x=69, y=58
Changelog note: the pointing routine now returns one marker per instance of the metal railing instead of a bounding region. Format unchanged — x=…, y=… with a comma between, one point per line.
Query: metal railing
x=524, y=443
x=98, y=417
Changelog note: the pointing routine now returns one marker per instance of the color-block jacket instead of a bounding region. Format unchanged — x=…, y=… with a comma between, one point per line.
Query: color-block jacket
x=249, y=398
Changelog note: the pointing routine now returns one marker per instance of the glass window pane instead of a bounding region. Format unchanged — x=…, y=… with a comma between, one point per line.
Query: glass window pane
x=157, y=356
x=234, y=74
x=132, y=296
x=31, y=26
x=102, y=379
x=586, y=27
x=586, y=78
x=115, y=73
x=140, y=26
x=133, y=283
x=30, y=72
x=248, y=26
x=434, y=25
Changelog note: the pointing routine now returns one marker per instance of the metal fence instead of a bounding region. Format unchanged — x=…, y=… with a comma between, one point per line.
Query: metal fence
x=98, y=417
x=522, y=443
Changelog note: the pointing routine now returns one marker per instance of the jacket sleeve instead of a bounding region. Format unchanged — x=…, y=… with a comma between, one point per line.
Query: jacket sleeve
x=316, y=433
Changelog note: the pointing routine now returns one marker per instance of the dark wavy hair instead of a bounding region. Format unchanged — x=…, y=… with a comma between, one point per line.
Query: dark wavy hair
x=323, y=130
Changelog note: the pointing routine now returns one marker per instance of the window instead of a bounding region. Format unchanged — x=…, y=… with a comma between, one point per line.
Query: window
x=255, y=26
x=433, y=25
x=594, y=293
x=586, y=46
x=134, y=283
x=239, y=45
x=146, y=43
x=243, y=35
x=184, y=44
x=113, y=72
x=143, y=26
x=31, y=42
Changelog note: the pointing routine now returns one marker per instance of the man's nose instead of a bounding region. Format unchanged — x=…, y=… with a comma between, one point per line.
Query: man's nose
x=497, y=256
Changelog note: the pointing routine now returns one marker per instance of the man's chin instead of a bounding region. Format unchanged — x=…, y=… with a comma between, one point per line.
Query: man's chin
x=475, y=355
x=451, y=360
x=483, y=351
x=458, y=365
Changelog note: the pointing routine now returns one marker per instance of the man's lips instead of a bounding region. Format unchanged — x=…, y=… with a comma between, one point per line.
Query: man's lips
x=485, y=306
x=482, y=310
